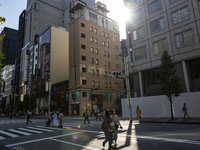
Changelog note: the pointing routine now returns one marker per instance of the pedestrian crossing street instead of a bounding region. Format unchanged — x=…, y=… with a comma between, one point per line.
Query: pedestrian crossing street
x=8, y=121
x=13, y=133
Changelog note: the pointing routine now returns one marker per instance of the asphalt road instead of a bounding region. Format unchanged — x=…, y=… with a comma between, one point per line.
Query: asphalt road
x=17, y=135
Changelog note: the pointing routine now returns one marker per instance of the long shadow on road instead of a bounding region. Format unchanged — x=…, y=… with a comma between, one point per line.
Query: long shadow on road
x=128, y=138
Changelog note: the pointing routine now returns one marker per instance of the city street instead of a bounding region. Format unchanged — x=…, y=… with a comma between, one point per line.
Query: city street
x=17, y=135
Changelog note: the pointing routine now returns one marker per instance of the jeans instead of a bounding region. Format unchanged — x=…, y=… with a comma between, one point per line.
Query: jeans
x=61, y=124
x=86, y=118
x=110, y=140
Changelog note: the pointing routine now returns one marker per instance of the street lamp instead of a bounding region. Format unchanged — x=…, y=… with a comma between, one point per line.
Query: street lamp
x=127, y=83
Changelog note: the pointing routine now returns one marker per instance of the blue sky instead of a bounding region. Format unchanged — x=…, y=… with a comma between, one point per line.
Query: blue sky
x=11, y=9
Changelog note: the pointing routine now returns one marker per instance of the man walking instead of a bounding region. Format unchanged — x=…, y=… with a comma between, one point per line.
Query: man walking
x=184, y=109
x=28, y=117
x=61, y=118
x=86, y=116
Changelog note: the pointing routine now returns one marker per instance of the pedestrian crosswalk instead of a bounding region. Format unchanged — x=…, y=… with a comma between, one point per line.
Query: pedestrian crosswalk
x=81, y=124
x=26, y=131
x=9, y=121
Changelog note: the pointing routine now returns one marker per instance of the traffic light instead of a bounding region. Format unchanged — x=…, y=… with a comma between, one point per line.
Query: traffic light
x=116, y=73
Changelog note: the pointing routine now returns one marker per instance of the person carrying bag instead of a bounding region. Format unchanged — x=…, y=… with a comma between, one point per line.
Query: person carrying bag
x=116, y=122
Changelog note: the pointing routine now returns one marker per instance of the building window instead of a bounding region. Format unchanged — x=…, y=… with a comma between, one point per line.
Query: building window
x=98, y=83
x=157, y=25
x=97, y=61
x=83, y=25
x=184, y=38
x=83, y=57
x=104, y=53
x=140, y=53
x=152, y=77
x=172, y=1
x=138, y=33
x=93, y=17
x=84, y=94
x=91, y=39
x=160, y=46
x=110, y=85
x=83, y=69
x=83, y=46
x=138, y=14
x=108, y=64
x=103, y=43
x=154, y=6
x=95, y=30
x=84, y=82
x=92, y=50
x=93, y=83
x=102, y=22
x=106, y=84
x=96, y=40
x=97, y=72
x=91, y=29
x=107, y=44
x=92, y=71
x=180, y=15
x=108, y=54
x=118, y=66
x=104, y=63
x=107, y=35
x=96, y=51
x=92, y=60
x=103, y=33
x=82, y=35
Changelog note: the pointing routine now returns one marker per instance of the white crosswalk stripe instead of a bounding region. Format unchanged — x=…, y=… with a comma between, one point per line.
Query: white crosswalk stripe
x=40, y=129
x=20, y=132
x=9, y=134
x=29, y=130
x=13, y=133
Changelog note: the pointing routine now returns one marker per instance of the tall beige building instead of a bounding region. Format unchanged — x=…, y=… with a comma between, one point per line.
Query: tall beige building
x=94, y=45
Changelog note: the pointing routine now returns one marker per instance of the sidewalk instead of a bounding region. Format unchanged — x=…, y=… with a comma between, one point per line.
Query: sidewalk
x=165, y=120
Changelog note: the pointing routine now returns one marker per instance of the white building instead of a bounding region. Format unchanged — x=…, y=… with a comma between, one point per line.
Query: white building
x=8, y=76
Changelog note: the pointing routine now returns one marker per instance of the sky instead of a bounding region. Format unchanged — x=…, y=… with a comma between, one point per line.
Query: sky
x=11, y=9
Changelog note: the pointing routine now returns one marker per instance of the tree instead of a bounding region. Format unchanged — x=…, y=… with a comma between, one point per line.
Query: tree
x=170, y=82
x=2, y=56
x=20, y=106
x=26, y=102
x=3, y=104
x=33, y=101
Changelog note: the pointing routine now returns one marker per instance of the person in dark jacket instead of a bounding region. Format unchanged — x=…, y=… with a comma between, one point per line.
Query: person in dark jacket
x=107, y=129
x=184, y=109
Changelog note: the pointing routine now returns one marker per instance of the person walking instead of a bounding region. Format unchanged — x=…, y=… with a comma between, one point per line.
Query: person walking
x=55, y=123
x=115, y=119
x=98, y=115
x=138, y=112
x=107, y=129
x=28, y=117
x=184, y=109
x=61, y=118
x=86, y=116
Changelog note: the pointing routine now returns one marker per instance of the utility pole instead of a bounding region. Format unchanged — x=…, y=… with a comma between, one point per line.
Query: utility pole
x=128, y=86
x=49, y=100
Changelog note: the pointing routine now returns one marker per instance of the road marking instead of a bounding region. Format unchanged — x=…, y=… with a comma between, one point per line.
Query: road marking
x=2, y=138
x=20, y=132
x=48, y=138
x=50, y=128
x=75, y=144
x=9, y=134
x=40, y=129
x=33, y=131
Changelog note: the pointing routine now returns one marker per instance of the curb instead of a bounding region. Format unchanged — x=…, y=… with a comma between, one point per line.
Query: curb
x=169, y=122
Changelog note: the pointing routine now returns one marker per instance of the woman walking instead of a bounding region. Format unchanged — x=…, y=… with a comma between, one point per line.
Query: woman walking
x=107, y=129
x=55, y=123
x=138, y=112
x=115, y=119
